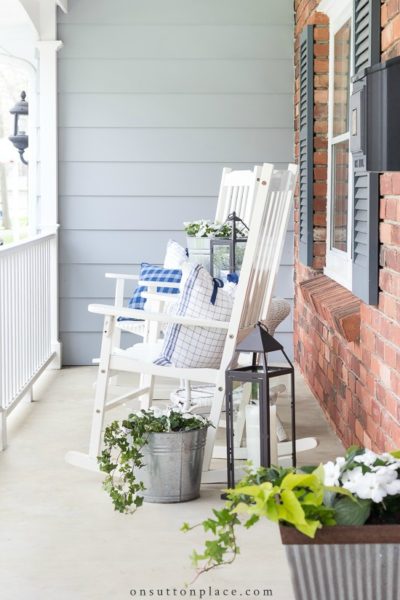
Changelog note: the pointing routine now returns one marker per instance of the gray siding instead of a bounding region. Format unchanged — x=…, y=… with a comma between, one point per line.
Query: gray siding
x=154, y=99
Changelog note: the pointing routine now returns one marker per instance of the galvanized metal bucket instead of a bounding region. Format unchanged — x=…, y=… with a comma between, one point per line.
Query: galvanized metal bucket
x=173, y=465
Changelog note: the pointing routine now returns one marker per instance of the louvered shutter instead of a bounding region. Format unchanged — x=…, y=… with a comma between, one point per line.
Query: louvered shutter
x=306, y=147
x=366, y=185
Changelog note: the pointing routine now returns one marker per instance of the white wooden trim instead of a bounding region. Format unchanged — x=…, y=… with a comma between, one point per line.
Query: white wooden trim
x=48, y=133
x=334, y=9
x=338, y=264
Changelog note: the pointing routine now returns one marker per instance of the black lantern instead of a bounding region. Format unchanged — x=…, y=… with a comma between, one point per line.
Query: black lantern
x=226, y=253
x=20, y=138
x=259, y=343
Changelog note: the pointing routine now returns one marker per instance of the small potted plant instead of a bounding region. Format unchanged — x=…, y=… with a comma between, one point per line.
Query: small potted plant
x=339, y=522
x=154, y=455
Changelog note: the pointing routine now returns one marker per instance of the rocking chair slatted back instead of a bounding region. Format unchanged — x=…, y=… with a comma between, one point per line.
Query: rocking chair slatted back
x=237, y=193
x=261, y=260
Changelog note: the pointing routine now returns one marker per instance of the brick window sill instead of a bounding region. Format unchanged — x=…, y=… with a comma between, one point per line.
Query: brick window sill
x=335, y=304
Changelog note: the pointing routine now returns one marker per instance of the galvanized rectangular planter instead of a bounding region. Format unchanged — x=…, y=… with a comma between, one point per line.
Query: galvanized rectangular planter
x=173, y=466
x=345, y=563
x=199, y=250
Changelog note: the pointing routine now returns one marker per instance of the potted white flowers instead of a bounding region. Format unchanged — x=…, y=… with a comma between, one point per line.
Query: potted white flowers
x=198, y=235
x=155, y=455
x=339, y=522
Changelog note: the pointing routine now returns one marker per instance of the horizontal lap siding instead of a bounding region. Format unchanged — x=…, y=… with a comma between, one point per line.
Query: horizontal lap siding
x=154, y=99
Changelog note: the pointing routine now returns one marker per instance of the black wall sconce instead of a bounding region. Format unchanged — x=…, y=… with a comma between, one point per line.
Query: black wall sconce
x=20, y=137
x=375, y=118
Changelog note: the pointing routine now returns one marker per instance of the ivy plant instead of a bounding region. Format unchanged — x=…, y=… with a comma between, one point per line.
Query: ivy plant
x=122, y=454
x=279, y=494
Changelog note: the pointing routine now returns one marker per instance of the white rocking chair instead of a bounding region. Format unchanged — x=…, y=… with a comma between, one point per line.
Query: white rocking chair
x=236, y=194
x=268, y=225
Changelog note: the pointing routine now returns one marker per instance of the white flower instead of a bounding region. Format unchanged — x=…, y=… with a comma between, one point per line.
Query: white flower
x=389, y=458
x=333, y=470
x=157, y=411
x=368, y=458
x=331, y=473
x=352, y=477
x=372, y=485
x=393, y=487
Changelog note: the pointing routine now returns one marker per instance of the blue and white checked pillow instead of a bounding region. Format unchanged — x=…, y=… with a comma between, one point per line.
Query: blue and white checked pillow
x=197, y=347
x=156, y=274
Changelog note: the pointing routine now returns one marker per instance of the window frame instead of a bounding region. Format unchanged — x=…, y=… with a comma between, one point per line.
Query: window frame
x=339, y=265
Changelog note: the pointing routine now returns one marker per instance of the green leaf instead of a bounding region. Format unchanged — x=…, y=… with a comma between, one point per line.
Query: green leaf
x=290, y=510
x=308, y=469
x=309, y=528
x=310, y=480
x=250, y=522
x=334, y=489
x=395, y=453
x=348, y=512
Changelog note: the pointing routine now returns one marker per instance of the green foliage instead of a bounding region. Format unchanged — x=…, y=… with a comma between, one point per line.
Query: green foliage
x=204, y=228
x=349, y=512
x=281, y=495
x=122, y=453
x=365, y=490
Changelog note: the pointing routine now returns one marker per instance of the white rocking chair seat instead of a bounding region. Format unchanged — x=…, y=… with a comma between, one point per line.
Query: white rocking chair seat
x=141, y=351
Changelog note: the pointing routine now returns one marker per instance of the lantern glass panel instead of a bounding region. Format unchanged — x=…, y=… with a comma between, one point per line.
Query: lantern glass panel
x=222, y=258
x=221, y=254
x=22, y=124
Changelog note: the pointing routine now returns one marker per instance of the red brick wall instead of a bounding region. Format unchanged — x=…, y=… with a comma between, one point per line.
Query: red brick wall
x=357, y=384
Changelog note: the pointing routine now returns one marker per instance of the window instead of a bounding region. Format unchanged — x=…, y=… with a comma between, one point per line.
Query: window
x=340, y=200
x=352, y=247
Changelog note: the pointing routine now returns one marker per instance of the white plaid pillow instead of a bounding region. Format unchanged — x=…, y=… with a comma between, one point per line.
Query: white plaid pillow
x=175, y=255
x=197, y=347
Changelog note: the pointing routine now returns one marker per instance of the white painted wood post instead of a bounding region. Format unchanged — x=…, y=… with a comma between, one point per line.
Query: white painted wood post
x=3, y=415
x=48, y=134
x=48, y=143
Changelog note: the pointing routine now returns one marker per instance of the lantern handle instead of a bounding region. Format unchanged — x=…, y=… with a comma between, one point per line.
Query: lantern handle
x=233, y=217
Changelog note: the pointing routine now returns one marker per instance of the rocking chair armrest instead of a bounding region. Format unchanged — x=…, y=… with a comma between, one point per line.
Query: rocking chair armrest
x=129, y=313
x=168, y=298
x=153, y=285
x=126, y=276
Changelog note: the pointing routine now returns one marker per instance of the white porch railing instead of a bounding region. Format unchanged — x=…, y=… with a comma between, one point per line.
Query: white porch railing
x=28, y=318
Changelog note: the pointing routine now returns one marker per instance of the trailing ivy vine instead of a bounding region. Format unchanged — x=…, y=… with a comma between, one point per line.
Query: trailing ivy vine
x=122, y=453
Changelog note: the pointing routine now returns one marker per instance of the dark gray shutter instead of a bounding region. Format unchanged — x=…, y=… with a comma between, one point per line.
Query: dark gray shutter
x=367, y=35
x=366, y=185
x=306, y=145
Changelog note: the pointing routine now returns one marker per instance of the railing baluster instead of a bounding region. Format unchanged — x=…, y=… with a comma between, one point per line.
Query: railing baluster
x=26, y=307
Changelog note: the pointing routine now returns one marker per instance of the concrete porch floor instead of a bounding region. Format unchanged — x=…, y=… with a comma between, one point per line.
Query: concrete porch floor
x=61, y=539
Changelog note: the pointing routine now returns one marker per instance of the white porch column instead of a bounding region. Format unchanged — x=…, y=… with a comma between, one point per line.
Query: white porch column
x=48, y=145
